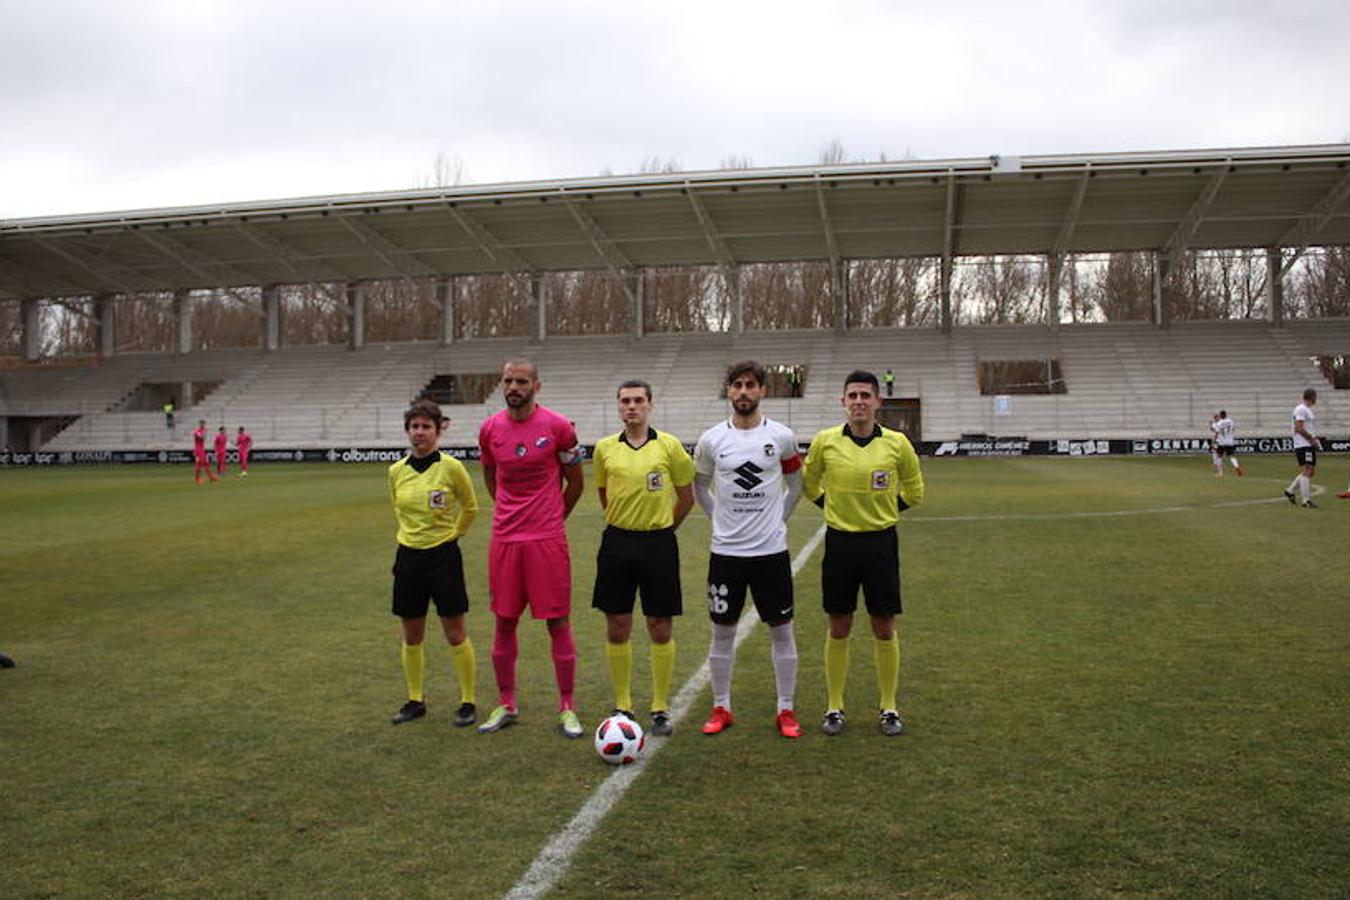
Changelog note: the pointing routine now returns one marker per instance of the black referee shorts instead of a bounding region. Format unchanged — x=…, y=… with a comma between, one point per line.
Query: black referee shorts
x=866, y=559
x=422, y=576
x=632, y=561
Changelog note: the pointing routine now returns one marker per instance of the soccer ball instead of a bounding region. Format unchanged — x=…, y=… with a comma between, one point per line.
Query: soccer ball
x=619, y=740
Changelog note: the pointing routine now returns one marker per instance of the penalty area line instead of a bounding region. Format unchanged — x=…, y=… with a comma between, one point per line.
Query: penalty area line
x=556, y=856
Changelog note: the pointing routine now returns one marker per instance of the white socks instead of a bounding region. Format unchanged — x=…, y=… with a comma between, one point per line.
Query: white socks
x=721, y=655
x=784, y=652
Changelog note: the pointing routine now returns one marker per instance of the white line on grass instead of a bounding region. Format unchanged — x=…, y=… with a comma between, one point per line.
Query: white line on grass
x=1317, y=491
x=557, y=854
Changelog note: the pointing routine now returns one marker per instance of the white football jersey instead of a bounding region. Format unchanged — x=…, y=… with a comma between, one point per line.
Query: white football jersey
x=1223, y=432
x=746, y=468
x=1302, y=413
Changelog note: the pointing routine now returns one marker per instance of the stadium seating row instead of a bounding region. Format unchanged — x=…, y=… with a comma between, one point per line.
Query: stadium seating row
x=1123, y=380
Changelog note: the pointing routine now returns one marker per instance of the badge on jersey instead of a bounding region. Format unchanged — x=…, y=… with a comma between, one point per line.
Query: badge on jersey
x=542, y=441
x=881, y=480
x=769, y=449
x=655, y=481
x=436, y=499
x=521, y=450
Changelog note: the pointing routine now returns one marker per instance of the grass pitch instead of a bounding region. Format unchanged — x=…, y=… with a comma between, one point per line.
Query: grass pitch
x=1119, y=677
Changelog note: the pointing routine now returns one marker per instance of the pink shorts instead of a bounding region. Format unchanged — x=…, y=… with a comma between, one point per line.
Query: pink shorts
x=537, y=574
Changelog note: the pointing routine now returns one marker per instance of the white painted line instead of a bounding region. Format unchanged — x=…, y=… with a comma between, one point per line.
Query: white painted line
x=1317, y=491
x=554, y=859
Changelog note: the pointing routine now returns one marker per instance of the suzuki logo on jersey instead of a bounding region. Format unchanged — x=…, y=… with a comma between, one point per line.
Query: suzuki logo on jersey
x=748, y=474
x=881, y=480
x=436, y=499
x=654, y=481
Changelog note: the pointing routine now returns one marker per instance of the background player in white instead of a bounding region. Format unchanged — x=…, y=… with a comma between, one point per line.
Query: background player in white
x=747, y=478
x=1306, y=445
x=1225, y=443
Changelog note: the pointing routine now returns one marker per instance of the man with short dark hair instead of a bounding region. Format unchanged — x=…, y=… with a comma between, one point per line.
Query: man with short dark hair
x=863, y=475
x=1306, y=445
x=748, y=479
x=644, y=478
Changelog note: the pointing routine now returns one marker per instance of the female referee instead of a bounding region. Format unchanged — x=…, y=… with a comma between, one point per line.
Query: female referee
x=434, y=504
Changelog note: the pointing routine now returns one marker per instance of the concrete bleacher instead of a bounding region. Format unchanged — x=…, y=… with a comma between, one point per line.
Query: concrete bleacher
x=1123, y=380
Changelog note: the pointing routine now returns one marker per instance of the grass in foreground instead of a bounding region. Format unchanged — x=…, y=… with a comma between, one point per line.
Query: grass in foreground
x=1099, y=699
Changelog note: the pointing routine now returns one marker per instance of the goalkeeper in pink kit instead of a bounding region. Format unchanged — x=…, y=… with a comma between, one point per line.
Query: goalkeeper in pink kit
x=532, y=470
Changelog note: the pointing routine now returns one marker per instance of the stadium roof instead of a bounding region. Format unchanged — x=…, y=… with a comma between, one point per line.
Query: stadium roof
x=1169, y=201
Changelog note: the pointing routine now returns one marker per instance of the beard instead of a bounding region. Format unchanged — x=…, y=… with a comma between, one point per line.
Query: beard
x=517, y=400
x=745, y=405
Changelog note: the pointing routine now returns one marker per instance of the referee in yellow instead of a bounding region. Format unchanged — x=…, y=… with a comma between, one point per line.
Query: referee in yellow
x=645, y=481
x=864, y=476
x=434, y=504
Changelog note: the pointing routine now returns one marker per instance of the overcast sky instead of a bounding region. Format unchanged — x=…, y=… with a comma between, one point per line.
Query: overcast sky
x=128, y=104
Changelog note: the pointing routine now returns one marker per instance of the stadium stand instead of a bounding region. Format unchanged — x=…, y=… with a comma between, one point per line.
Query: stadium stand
x=1123, y=380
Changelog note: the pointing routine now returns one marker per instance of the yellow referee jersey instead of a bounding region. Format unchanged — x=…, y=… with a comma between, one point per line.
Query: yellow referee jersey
x=432, y=506
x=640, y=483
x=861, y=483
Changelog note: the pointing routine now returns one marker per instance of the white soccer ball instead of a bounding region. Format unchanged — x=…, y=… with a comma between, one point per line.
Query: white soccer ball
x=619, y=740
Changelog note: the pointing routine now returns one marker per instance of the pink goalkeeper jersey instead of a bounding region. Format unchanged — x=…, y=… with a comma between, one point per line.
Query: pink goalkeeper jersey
x=529, y=457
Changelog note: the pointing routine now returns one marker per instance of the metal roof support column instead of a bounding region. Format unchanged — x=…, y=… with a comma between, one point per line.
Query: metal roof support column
x=105, y=315
x=945, y=295
x=30, y=311
x=839, y=282
x=271, y=323
x=1162, y=289
x=540, y=294
x=356, y=315
x=182, y=314
x=1054, y=266
x=447, y=290
x=732, y=274
x=1275, y=286
x=639, y=294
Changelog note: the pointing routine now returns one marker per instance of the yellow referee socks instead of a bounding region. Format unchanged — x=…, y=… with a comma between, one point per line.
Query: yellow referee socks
x=465, y=662
x=414, y=665
x=888, y=670
x=836, y=669
x=620, y=660
x=663, y=669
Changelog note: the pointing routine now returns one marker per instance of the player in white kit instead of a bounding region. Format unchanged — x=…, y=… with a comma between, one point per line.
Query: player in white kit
x=1225, y=443
x=747, y=478
x=1306, y=445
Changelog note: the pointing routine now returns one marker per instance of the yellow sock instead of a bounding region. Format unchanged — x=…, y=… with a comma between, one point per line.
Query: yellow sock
x=888, y=670
x=464, y=661
x=414, y=664
x=620, y=659
x=836, y=669
x=663, y=669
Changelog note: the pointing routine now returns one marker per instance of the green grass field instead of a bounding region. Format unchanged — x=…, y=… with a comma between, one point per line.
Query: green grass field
x=1120, y=677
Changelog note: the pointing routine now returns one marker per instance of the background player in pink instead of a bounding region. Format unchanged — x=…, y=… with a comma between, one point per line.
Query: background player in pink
x=243, y=442
x=221, y=442
x=532, y=470
x=199, y=461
